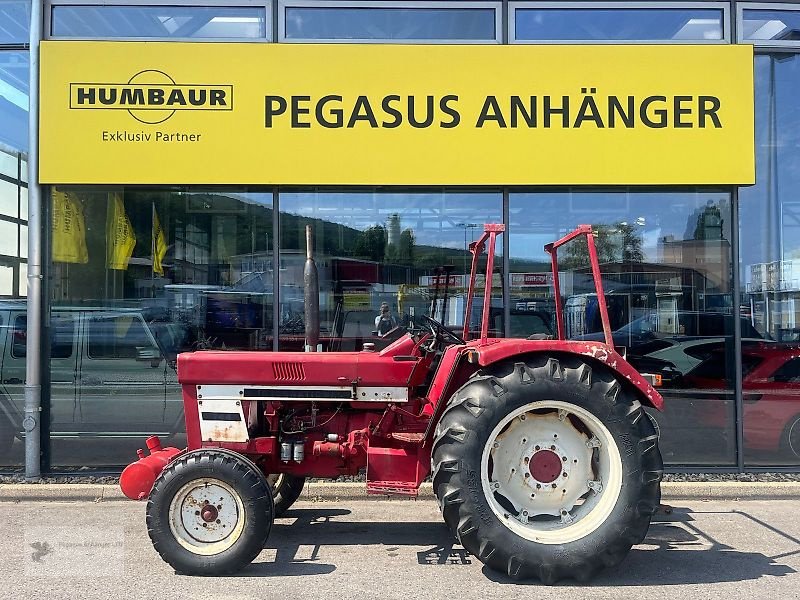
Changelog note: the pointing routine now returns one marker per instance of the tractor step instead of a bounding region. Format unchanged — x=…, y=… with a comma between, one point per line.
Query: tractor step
x=393, y=488
x=410, y=438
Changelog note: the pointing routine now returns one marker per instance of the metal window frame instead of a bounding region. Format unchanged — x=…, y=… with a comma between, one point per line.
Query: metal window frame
x=741, y=7
x=723, y=7
x=495, y=5
x=267, y=5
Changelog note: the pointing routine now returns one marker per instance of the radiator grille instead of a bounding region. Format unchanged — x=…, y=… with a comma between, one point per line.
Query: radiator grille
x=288, y=371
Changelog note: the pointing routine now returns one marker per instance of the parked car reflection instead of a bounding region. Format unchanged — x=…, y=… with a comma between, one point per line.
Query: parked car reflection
x=771, y=389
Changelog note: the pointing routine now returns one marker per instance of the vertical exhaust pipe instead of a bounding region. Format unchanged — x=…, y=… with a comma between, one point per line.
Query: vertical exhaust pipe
x=311, y=294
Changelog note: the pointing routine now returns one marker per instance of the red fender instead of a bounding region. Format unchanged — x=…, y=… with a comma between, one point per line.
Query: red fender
x=498, y=349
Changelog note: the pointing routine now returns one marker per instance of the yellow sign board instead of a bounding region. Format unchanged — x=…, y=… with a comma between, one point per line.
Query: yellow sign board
x=354, y=114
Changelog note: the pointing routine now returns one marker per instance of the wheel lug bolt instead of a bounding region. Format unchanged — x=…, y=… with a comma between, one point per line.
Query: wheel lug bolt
x=522, y=417
x=527, y=475
x=205, y=524
x=552, y=447
x=524, y=513
x=527, y=460
x=537, y=448
x=554, y=486
x=218, y=521
x=564, y=474
x=197, y=512
x=538, y=486
x=564, y=458
x=495, y=445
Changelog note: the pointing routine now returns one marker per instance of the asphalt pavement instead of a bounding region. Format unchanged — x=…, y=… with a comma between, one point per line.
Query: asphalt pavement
x=386, y=549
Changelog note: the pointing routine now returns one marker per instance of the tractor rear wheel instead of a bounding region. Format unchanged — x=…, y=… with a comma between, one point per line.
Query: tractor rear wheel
x=210, y=513
x=286, y=489
x=547, y=468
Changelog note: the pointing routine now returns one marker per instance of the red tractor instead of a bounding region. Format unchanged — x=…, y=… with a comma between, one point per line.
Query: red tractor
x=542, y=458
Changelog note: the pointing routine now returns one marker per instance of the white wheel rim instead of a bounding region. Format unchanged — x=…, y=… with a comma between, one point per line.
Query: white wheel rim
x=206, y=516
x=576, y=460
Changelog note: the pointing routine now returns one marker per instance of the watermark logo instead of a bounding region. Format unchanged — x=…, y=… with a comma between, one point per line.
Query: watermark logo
x=150, y=96
x=74, y=551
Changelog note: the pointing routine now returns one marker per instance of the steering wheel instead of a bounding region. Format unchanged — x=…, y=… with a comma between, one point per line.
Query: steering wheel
x=441, y=332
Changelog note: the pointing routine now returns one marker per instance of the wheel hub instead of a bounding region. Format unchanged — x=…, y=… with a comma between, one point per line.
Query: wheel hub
x=209, y=513
x=545, y=466
x=206, y=512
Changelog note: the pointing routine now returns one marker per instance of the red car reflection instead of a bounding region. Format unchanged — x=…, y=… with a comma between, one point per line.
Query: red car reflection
x=771, y=387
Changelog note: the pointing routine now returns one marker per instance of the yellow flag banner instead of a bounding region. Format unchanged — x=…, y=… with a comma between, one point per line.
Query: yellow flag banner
x=159, y=245
x=69, y=229
x=120, y=238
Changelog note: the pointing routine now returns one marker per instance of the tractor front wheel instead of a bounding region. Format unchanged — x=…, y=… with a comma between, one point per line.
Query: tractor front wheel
x=547, y=468
x=210, y=513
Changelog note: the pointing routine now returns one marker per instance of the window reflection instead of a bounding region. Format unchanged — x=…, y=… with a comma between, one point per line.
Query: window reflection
x=147, y=274
x=618, y=24
x=778, y=25
x=665, y=261
x=159, y=22
x=402, y=249
x=14, y=22
x=373, y=23
x=770, y=268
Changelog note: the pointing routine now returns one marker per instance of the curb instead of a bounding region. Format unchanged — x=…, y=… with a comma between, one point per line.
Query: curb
x=334, y=492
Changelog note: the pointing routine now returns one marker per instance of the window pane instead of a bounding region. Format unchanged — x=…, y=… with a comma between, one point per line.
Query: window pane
x=373, y=248
x=618, y=24
x=210, y=286
x=783, y=25
x=8, y=239
x=342, y=23
x=14, y=101
x=15, y=19
x=665, y=260
x=62, y=336
x=159, y=22
x=770, y=268
x=119, y=337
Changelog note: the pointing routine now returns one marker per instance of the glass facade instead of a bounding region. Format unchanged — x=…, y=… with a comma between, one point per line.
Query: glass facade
x=381, y=246
x=616, y=23
x=166, y=22
x=770, y=269
x=198, y=268
x=380, y=21
x=14, y=68
x=666, y=265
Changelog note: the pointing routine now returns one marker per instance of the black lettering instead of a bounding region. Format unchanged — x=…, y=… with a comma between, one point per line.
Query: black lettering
x=132, y=96
x=155, y=96
x=455, y=117
x=550, y=111
x=218, y=97
x=495, y=114
x=412, y=117
x=588, y=112
x=362, y=103
x=338, y=113
x=298, y=110
x=390, y=110
x=710, y=112
x=528, y=113
x=107, y=96
x=680, y=110
x=615, y=109
x=273, y=106
x=86, y=95
x=660, y=113
x=197, y=97
x=176, y=97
